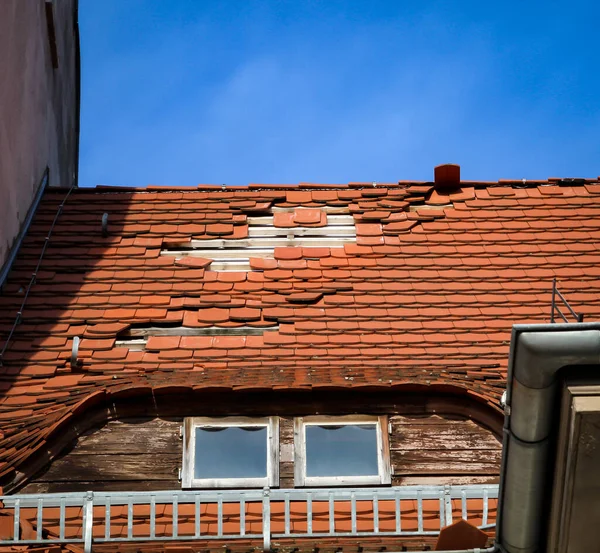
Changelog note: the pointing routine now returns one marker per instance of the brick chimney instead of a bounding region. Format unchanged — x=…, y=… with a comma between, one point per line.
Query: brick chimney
x=447, y=176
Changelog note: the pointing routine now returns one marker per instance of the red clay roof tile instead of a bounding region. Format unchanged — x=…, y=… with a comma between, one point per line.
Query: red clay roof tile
x=229, y=342
x=315, y=252
x=245, y=314
x=304, y=217
x=288, y=253
x=158, y=343
x=368, y=230
x=298, y=197
x=304, y=297
x=261, y=263
x=190, y=261
x=115, y=353
x=97, y=344
x=213, y=315
x=196, y=342
x=284, y=220
x=219, y=229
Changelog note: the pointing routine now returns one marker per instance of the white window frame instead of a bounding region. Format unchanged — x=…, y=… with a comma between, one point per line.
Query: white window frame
x=383, y=451
x=189, y=453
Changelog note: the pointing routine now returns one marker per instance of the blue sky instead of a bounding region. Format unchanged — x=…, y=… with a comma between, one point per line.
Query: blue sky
x=182, y=92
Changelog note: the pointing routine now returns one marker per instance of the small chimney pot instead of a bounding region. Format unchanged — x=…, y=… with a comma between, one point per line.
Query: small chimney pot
x=447, y=176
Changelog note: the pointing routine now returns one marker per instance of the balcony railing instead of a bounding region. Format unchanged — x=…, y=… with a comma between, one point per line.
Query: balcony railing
x=166, y=516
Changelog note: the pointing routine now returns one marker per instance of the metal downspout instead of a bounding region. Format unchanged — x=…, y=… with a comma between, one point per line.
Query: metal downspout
x=492, y=549
x=537, y=354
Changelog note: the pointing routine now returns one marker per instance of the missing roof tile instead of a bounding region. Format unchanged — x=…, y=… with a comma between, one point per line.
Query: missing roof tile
x=137, y=338
x=140, y=332
x=229, y=254
x=134, y=344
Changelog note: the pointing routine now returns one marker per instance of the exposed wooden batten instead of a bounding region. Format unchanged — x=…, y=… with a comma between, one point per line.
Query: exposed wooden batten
x=341, y=210
x=231, y=265
x=331, y=219
x=248, y=244
x=127, y=337
x=328, y=231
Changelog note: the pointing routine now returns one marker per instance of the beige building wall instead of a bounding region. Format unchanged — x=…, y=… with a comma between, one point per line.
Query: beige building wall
x=39, y=106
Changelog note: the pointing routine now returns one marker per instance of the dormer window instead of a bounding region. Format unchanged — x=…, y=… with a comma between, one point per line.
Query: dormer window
x=346, y=450
x=231, y=452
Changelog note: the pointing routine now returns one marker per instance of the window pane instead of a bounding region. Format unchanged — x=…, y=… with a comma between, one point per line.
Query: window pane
x=231, y=452
x=341, y=450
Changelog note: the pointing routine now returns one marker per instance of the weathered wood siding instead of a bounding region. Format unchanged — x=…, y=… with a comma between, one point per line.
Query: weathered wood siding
x=146, y=453
x=442, y=448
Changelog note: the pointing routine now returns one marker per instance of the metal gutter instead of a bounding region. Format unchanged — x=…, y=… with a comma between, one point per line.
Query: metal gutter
x=12, y=254
x=537, y=354
x=491, y=549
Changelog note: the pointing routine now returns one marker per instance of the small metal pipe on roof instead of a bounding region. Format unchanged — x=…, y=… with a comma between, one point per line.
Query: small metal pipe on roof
x=538, y=352
x=105, y=225
x=75, y=361
x=447, y=176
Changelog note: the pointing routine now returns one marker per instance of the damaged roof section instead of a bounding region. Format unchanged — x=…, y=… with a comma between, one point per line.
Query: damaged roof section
x=350, y=286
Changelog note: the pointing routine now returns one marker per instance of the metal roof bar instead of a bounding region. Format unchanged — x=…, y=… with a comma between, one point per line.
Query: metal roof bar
x=32, y=280
x=555, y=308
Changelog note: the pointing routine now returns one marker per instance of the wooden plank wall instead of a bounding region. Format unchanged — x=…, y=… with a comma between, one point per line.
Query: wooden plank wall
x=138, y=454
x=442, y=450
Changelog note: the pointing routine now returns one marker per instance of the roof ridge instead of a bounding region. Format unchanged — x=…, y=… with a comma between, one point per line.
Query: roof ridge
x=513, y=183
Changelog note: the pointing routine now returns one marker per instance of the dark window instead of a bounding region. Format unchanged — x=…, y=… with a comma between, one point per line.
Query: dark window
x=231, y=452
x=341, y=450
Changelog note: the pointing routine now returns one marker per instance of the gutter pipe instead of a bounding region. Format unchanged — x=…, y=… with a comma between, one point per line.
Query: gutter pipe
x=537, y=353
x=492, y=549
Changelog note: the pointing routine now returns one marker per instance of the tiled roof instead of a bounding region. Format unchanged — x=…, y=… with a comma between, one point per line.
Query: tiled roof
x=425, y=294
